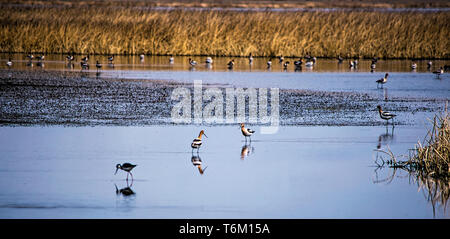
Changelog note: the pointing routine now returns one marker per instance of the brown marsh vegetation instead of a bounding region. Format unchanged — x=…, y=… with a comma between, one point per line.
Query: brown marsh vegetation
x=126, y=30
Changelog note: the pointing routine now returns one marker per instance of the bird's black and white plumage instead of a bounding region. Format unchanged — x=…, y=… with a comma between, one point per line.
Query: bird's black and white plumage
x=171, y=60
x=298, y=62
x=340, y=59
x=197, y=142
x=383, y=80
x=385, y=115
x=9, y=62
x=269, y=63
x=439, y=72
x=85, y=59
x=250, y=59
x=285, y=65
x=70, y=57
x=209, y=60
x=230, y=64
x=197, y=162
x=246, y=132
x=40, y=58
x=127, y=167
x=280, y=59
x=111, y=59
x=84, y=65
x=413, y=65
x=30, y=57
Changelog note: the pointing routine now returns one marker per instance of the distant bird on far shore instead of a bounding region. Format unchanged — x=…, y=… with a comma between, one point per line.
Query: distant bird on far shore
x=429, y=64
x=84, y=65
x=281, y=58
x=127, y=167
x=9, y=62
x=70, y=57
x=269, y=63
x=383, y=80
x=250, y=59
x=192, y=62
x=208, y=60
x=439, y=72
x=285, y=65
x=197, y=142
x=230, y=64
x=340, y=59
x=141, y=57
x=30, y=57
x=413, y=65
x=40, y=58
x=171, y=60
x=246, y=132
x=386, y=115
x=111, y=59
x=85, y=59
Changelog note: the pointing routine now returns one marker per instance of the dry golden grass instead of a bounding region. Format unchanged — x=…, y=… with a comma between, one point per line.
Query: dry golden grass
x=112, y=30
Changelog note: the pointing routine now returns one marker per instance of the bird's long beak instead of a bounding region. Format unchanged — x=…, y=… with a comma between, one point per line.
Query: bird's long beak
x=205, y=135
x=117, y=169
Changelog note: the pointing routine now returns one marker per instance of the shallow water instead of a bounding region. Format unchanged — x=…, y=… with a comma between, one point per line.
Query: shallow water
x=51, y=169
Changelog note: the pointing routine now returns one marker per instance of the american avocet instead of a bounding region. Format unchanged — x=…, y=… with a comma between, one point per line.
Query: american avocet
x=439, y=72
x=250, y=59
x=246, y=132
x=192, y=62
x=285, y=65
x=280, y=59
x=383, y=80
x=208, y=60
x=197, y=142
x=197, y=162
x=126, y=191
x=127, y=167
x=98, y=65
x=298, y=62
x=386, y=115
x=413, y=65
x=84, y=65
x=230, y=64
x=9, y=62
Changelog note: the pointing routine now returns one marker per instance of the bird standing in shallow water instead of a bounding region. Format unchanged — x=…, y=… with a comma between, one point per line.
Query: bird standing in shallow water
x=230, y=64
x=9, y=62
x=197, y=142
x=127, y=167
x=98, y=65
x=382, y=81
x=386, y=115
x=439, y=72
x=246, y=132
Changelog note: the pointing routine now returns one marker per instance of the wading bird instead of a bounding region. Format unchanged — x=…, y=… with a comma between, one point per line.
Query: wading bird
x=269, y=63
x=98, y=65
x=192, y=62
x=30, y=57
x=413, y=65
x=9, y=62
x=280, y=59
x=439, y=72
x=285, y=65
x=70, y=58
x=386, y=115
x=298, y=62
x=171, y=60
x=230, y=64
x=250, y=59
x=111, y=59
x=85, y=59
x=383, y=80
x=208, y=60
x=246, y=132
x=127, y=167
x=197, y=142
x=141, y=57
x=340, y=59
x=40, y=58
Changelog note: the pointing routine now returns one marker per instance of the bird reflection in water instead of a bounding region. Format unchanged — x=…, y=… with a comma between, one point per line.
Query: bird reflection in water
x=197, y=162
x=386, y=137
x=126, y=191
x=247, y=149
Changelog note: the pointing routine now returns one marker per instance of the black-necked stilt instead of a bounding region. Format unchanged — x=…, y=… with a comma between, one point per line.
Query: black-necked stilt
x=269, y=63
x=285, y=65
x=340, y=59
x=98, y=65
x=230, y=64
x=250, y=59
x=373, y=65
x=429, y=64
x=386, y=115
x=439, y=72
x=127, y=167
x=413, y=65
x=208, y=60
x=246, y=132
x=351, y=64
x=171, y=60
x=197, y=142
x=280, y=59
x=197, y=162
x=309, y=64
x=40, y=58
x=192, y=62
x=30, y=57
x=298, y=62
x=9, y=62
x=383, y=80
x=142, y=57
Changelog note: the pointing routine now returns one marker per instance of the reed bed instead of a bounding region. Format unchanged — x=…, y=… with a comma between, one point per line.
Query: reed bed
x=119, y=30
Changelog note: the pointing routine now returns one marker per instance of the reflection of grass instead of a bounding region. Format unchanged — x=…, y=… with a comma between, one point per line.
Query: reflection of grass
x=109, y=30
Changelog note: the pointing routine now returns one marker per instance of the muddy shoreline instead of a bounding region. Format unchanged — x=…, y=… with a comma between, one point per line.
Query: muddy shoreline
x=46, y=98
